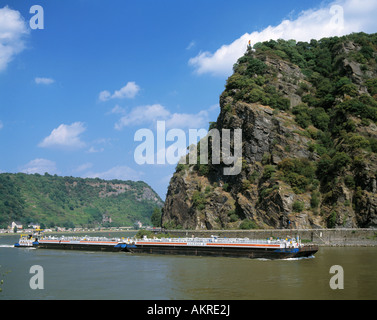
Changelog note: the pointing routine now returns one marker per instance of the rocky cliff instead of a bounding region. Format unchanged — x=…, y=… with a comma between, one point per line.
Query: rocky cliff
x=308, y=114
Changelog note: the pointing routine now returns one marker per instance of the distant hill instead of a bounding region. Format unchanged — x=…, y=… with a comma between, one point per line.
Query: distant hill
x=72, y=202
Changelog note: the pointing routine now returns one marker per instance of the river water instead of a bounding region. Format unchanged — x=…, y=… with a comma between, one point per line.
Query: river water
x=87, y=275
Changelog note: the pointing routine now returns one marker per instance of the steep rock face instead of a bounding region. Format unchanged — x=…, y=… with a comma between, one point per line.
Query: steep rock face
x=263, y=131
x=267, y=138
x=309, y=142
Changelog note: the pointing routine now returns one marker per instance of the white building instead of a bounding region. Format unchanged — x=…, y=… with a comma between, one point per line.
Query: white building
x=16, y=224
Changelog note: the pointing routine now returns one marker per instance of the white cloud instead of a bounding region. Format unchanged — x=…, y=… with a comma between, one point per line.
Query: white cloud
x=12, y=32
x=65, y=136
x=105, y=95
x=130, y=90
x=84, y=167
x=40, y=166
x=118, y=172
x=191, y=45
x=94, y=150
x=97, y=145
x=173, y=127
x=335, y=19
x=151, y=113
x=117, y=110
x=45, y=81
x=143, y=114
x=185, y=120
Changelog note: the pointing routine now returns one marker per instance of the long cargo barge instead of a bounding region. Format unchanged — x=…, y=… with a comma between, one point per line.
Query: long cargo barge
x=226, y=247
x=221, y=247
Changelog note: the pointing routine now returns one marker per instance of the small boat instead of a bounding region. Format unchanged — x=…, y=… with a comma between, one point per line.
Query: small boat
x=26, y=241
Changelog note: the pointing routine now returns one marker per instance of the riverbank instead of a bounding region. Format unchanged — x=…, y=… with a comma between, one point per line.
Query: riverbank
x=320, y=237
x=81, y=232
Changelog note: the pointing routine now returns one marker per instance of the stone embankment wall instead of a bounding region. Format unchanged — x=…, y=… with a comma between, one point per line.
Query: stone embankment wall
x=321, y=237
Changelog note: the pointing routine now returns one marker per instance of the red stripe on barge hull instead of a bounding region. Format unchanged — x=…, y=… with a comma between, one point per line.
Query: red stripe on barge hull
x=272, y=246
x=223, y=251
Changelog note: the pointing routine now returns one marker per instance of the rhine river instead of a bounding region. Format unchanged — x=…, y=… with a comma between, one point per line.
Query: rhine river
x=121, y=276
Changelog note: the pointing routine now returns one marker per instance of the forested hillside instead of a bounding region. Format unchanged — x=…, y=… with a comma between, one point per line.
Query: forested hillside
x=308, y=114
x=73, y=202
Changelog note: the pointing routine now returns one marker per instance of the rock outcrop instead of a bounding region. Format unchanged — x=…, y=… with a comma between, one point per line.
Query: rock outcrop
x=309, y=140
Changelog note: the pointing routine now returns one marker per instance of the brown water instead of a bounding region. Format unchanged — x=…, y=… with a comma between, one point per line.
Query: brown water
x=86, y=275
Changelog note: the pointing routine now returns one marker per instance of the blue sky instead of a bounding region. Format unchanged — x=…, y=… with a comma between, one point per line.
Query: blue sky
x=72, y=95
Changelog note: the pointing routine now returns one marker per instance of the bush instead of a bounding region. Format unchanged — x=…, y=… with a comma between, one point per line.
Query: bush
x=199, y=200
x=298, y=182
x=269, y=171
x=282, y=103
x=254, y=176
x=372, y=86
x=233, y=217
x=303, y=119
x=327, y=167
x=299, y=173
x=365, y=107
x=320, y=118
x=349, y=181
x=345, y=86
x=315, y=200
x=180, y=167
x=302, y=115
x=264, y=193
x=248, y=225
x=331, y=220
x=340, y=161
x=373, y=145
x=203, y=169
x=356, y=141
x=367, y=51
x=254, y=95
x=298, y=206
x=246, y=184
x=255, y=66
x=306, y=116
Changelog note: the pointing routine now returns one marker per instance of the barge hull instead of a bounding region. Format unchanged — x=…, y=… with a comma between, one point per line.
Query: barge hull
x=79, y=247
x=251, y=253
